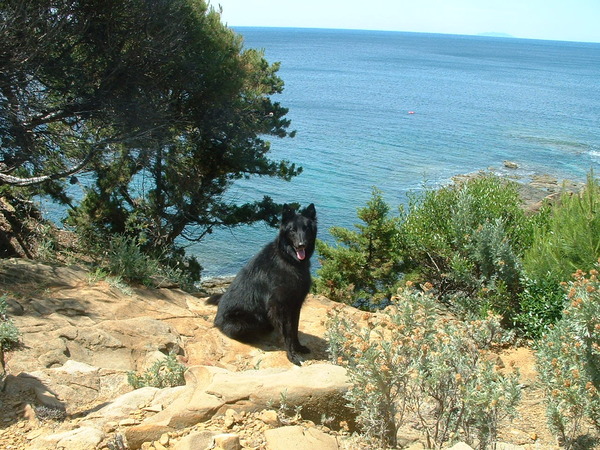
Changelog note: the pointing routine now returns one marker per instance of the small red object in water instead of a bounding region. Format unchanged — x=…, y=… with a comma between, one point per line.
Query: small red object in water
x=411, y=112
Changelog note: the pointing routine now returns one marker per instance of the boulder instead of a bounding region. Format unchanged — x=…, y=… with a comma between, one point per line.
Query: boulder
x=82, y=438
x=299, y=438
x=210, y=391
x=198, y=440
x=227, y=441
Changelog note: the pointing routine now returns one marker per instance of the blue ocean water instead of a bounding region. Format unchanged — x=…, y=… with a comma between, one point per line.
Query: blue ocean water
x=394, y=110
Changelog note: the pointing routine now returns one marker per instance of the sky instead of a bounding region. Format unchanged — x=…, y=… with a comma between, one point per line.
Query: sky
x=564, y=20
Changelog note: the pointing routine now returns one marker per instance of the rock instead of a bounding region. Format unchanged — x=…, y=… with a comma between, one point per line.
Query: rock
x=164, y=439
x=544, y=181
x=128, y=422
x=510, y=165
x=18, y=386
x=229, y=419
x=299, y=438
x=199, y=440
x=415, y=446
x=78, y=439
x=227, y=441
x=158, y=446
x=97, y=324
x=139, y=434
x=81, y=337
x=122, y=406
x=318, y=388
x=77, y=380
x=34, y=434
x=216, y=285
x=269, y=417
x=210, y=391
x=29, y=413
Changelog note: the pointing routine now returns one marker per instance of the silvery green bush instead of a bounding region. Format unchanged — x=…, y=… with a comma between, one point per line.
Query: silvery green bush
x=410, y=359
x=568, y=358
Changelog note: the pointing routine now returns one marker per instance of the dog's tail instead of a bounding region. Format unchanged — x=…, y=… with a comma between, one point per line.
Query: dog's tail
x=214, y=299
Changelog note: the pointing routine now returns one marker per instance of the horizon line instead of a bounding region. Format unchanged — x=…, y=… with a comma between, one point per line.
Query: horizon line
x=483, y=34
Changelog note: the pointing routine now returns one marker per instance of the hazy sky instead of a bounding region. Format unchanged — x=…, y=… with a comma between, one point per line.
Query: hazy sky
x=569, y=20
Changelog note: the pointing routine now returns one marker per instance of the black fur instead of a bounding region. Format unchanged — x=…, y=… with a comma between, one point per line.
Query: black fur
x=269, y=291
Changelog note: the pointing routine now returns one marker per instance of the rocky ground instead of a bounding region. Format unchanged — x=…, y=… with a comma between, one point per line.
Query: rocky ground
x=67, y=387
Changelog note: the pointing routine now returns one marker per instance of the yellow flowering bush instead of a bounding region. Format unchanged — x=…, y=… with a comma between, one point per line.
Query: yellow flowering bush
x=411, y=360
x=568, y=359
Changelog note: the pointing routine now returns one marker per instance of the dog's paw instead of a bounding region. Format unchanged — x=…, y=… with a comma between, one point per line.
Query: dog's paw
x=294, y=358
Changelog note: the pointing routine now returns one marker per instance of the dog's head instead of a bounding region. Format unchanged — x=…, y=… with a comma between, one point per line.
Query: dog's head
x=298, y=232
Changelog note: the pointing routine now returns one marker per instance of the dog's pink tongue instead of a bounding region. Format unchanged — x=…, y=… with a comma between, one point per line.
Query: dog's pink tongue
x=301, y=254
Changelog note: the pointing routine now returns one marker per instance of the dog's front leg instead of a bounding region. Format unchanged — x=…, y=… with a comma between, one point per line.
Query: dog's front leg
x=284, y=322
x=296, y=343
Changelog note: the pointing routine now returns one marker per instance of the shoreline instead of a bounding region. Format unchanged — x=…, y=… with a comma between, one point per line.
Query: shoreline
x=533, y=189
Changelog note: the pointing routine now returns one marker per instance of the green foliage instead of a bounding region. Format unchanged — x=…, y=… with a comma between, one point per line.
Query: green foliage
x=473, y=244
x=541, y=302
x=159, y=102
x=467, y=236
x=571, y=238
x=408, y=358
x=172, y=183
x=167, y=372
x=568, y=359
x=494, y=255
x=467, y=240
x=124, y=258
x=365, y=267
x=9, y=334
x=287, y=414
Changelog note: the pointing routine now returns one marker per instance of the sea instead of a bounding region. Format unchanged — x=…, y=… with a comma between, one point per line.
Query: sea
x=403, y=111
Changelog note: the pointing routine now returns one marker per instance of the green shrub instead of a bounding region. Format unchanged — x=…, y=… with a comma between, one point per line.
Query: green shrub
x=467, y=240
x=49, y=413
x=409, y=358
x=364, y=269
x=475, y=245
x=571, y=238
x=167, y=372
x=466, y=237
x=493, y=254
x=541, y=302
x=126, y=259
x=568, y=359
x=9, y=334
x=128, y=251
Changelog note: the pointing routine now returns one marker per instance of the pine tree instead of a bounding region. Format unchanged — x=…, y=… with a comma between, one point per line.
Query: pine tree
x=365, y=266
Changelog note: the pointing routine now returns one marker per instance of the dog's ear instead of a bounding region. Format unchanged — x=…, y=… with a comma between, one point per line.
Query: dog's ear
x=310, y=212
x=287, y=214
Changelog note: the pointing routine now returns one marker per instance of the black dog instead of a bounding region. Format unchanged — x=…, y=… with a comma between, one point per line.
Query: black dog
x=269, y=291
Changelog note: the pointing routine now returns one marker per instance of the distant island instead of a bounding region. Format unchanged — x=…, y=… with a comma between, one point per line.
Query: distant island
x=494, y=34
